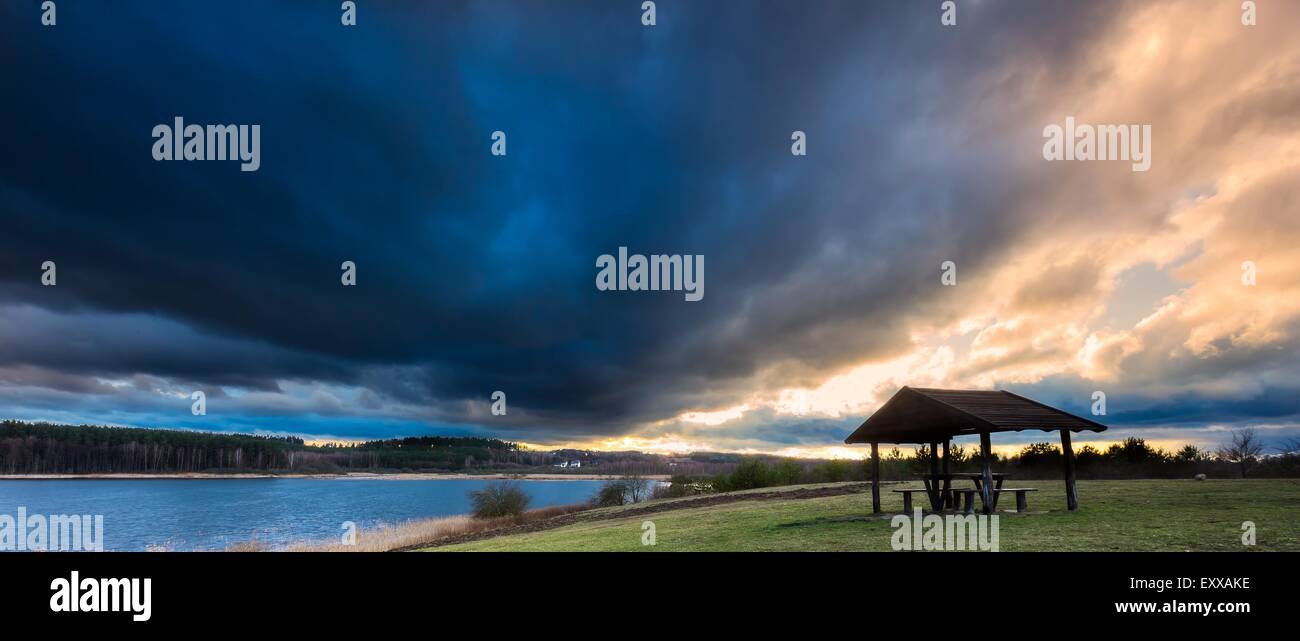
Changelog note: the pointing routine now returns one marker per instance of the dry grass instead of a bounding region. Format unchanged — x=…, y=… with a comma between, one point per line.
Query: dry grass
x=392, y=537
x=1121, y=515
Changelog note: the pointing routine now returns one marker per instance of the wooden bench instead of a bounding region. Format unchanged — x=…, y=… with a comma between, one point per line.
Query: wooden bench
x=907, y=497
x=968, y=498
x=966, y=502
x=1021, y=503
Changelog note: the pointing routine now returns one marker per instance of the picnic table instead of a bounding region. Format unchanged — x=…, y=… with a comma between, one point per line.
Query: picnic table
x=939, y=489
x=943, y=496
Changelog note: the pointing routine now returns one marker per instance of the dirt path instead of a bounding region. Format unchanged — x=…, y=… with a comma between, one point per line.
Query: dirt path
x=586, y=516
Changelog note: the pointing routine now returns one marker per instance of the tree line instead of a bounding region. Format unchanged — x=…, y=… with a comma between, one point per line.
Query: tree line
x=1243, y=456
x=45, y=448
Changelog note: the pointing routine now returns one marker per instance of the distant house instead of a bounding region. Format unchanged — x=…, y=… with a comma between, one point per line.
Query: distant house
x=569, y=464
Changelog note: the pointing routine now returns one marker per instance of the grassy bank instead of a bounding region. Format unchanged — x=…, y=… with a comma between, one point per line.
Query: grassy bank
x=1141, y=515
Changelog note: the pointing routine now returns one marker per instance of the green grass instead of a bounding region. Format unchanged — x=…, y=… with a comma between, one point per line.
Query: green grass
x=1142, y=515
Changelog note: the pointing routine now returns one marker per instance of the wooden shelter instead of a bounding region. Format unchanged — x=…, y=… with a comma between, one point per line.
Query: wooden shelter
x=935, y=416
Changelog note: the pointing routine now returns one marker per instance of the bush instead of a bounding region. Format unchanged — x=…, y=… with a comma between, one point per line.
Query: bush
x=636, y=487
x=1088, y=456
x=750, y=474
x=632, y=488
x=612, y=493
x=1191, y=454
x=1043, y=455
x=681, y=485
x=787, y=472
x=666, y=491
x=1134, y=451
x=499, y=499
x=832, y=472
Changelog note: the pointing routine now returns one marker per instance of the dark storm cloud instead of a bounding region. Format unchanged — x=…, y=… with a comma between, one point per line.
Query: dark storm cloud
x=110, y=345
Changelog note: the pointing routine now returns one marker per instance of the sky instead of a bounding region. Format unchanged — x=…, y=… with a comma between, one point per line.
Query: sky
x=476, y=273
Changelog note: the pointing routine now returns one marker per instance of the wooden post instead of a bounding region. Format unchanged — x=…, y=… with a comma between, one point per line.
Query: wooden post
x=875, y=478
x=986, y=489
x=1071, y=494
x=948, y=499
x=936, y=498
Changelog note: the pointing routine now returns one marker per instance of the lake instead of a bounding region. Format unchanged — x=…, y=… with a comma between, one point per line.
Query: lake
x=209, y=514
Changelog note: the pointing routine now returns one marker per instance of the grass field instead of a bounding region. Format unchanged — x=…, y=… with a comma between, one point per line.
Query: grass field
x=1142, y=515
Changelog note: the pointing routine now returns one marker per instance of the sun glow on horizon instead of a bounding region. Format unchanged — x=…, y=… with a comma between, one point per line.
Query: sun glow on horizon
x=671, y=446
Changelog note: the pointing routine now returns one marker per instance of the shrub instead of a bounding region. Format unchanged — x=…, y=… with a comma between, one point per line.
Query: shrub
x=636, y=487
x=1191, y=454
x=632, y=488
x=787, y=472
x=1043, y=455
x=1088, y=456
x=920, y=461
x=499, y=499
x=749, y=474
x=681, y=485
x=831, y=472
x=612, y=493
x=1134, y=451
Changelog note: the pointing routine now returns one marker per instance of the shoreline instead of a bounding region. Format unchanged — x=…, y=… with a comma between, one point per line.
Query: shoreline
x=394, y=476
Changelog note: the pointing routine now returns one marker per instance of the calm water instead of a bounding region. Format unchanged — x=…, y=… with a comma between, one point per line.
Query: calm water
x=208, y=514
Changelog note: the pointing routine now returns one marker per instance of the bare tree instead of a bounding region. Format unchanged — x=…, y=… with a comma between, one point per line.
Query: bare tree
x=1290, y=446
x=1243, y=448
x=637, y=487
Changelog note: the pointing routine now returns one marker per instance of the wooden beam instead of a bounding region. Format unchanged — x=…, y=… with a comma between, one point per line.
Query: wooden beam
x=875, y=478
x=986, y=488
x=1071, y=494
